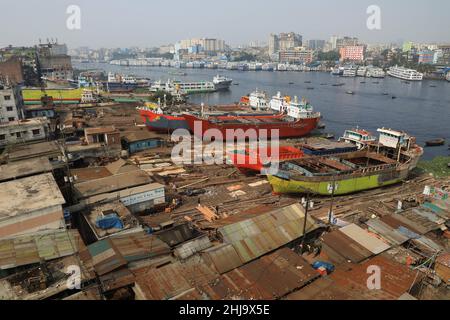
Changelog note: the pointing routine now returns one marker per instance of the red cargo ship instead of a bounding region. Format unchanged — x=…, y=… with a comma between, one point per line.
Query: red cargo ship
x=296, y=120
x=251, y=161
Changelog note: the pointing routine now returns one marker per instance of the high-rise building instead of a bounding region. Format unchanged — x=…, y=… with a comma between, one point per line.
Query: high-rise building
x=273, y=44
x=283, y=42
x=333, y=42
x=352, y=53
x=296, y=55
x=315, y=44
x=346, y=42
x=208, y=44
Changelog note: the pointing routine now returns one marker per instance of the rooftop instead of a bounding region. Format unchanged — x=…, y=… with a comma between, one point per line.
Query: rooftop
x=135, y=136
x=112, y=183
x=31, y=150
x=98, y=130
x=23, y=168
x=28, y=194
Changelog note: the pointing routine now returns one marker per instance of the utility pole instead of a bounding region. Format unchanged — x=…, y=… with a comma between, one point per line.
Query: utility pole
x=304, y=222
x=330, y=213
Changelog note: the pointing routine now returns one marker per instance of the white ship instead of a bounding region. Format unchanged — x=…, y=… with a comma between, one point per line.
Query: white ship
x=448, y=76
x=405, y=74
x=362, y=71
x=222, y=83
x=375, y=73
x=349, y=71
x=258, y=100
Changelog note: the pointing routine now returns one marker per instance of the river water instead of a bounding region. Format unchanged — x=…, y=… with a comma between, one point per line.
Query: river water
x=419, y=109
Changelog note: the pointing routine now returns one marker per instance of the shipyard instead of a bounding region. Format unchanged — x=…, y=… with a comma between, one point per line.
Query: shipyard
x=284, y=171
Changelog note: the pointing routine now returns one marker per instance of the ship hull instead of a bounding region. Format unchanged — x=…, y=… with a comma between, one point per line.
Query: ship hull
x=161, y=122
x=343, y=185
x=252, y=162
x=223, y=86
x=285, y=129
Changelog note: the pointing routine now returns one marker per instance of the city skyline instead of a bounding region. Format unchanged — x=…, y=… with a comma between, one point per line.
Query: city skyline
x=153, y=24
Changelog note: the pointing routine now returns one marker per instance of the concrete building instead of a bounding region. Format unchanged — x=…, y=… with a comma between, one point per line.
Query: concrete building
x=333, y=42
x=140, y=140
x=110, y=184
x=210, y=45
x=315, y=44
x=425, y=57
x=296, y=55
x=283, y=42
x=352, y=53
x=12, y=70
x=11, y=103
x=346, y=42
x=103, y=135
x=54, y=62
x=29, y=205
x=24, y=131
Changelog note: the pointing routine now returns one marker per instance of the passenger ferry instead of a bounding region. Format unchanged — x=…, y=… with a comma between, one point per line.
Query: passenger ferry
x=218, y=83
x=349, y=71
x=405, y=74
x=375, y=73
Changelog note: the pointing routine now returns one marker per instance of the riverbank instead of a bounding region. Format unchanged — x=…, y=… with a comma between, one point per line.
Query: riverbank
x=438, y=167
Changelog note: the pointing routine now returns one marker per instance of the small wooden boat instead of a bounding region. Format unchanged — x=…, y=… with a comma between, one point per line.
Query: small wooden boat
x=321, y=126
x=350, y=92
x=310, y=88
x=375, y=82
x=385, y=94
x=291, y=83
x=307, y=81
x=329, y=136
x=432, y=86
x=394, y=97
x=362, y=82
x=435, y=142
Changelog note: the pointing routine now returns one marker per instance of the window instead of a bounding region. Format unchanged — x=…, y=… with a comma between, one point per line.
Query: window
x=2, y=137
x=18, y=134
x=36, y=132
x=11, y=119
x=9, y=108
x=7, y=98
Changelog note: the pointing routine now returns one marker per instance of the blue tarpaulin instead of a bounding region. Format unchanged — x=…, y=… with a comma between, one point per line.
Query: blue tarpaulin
x=109, y=221
x=328, y=266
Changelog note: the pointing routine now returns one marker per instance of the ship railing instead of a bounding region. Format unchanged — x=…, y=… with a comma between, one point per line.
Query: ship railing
x=309, y=115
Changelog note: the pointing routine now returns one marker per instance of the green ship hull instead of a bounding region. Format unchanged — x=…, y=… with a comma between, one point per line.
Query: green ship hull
x=342, y=185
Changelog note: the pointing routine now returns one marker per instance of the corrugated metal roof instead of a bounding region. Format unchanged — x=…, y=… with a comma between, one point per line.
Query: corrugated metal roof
x=191, y=247
x=364, y=238
x=269, y=277
x=321, y=289
x=105, y=256
x=396, y=279
x=174, y=279
x=417, y=222
x=223, y=257
x=254, y=237
x=387, y=232
x=28, y=249
x=346, y=246
x=139, y=245
x=116, y=279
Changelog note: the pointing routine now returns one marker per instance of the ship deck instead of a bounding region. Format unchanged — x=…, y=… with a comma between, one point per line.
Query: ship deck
x=253, y=120
x=359, y=161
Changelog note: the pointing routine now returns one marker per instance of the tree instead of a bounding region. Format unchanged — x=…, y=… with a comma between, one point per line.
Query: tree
x=328, y=56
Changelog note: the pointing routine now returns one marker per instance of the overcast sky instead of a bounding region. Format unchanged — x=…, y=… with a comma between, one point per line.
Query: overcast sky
x=147, y=23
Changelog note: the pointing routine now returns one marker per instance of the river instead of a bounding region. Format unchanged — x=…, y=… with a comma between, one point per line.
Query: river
x=419, y=109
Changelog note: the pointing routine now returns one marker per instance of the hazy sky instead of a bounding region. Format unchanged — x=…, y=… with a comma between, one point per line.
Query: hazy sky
x=146, y=23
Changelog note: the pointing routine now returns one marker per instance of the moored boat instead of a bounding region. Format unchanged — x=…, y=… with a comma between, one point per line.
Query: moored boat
x=435, y=142
x=386, y=162
x=297, y=120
